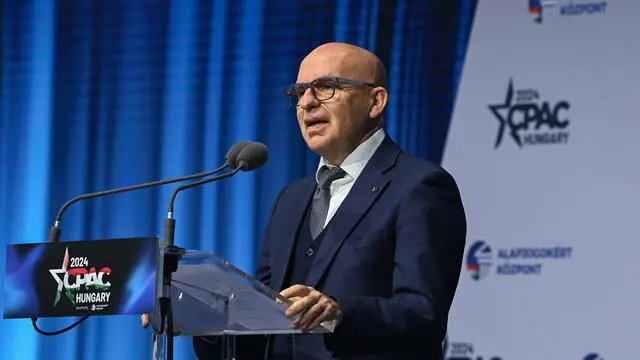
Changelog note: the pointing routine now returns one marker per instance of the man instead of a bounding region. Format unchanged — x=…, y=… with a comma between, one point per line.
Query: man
x=373, y=241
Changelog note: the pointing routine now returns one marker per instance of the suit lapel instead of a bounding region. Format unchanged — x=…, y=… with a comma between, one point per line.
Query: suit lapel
x=288, y=231
x=367, y=188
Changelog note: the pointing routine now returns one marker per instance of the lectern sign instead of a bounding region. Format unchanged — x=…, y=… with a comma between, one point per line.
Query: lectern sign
x=81, y=284
x=97, y=277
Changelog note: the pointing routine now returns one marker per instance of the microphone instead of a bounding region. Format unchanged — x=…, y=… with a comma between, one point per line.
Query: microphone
x=251, y=157
x=230, y=162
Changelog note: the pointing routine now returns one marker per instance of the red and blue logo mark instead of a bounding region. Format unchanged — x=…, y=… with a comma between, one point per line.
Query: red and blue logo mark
x=535, y=9
x=538, y=9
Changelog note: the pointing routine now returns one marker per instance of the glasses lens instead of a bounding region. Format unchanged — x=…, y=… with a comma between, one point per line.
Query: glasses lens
x=323, y=89
x=293, y=93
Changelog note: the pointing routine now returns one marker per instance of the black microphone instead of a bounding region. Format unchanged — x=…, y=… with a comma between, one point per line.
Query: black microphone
x=230, y=162
x=251, y=157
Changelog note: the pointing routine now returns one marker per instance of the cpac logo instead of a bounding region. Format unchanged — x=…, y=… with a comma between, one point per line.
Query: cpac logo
x=462, y=351
x=530, y=121
x=80, y=283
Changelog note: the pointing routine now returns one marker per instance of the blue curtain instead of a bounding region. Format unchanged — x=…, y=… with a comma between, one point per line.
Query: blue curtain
x=102, y=94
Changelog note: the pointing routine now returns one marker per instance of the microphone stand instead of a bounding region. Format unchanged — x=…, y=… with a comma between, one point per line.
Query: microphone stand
x=170, y=258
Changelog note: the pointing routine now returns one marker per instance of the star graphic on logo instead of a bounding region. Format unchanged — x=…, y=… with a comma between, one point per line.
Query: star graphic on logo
x=501, y=112
x=56, y=275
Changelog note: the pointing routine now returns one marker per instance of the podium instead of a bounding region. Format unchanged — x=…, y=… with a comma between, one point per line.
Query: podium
x=204, y=294
x=211, y=297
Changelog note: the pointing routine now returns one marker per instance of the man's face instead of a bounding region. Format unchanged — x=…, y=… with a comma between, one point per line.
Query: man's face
x=333, y=126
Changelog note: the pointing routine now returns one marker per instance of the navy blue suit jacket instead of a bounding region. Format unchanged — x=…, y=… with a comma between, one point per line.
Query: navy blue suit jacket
x=391, y=257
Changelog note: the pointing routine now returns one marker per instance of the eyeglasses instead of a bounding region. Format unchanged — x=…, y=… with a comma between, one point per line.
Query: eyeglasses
x=322, y=88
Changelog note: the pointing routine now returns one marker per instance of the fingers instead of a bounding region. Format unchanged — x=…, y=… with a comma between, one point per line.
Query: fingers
x=296, y=290
x=312, y=306
x=303, y=304
x=326, y=315
x=307, y=318
x=146, y=320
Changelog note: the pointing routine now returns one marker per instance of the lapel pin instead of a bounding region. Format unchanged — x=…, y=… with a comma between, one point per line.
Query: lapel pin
x=374, y=189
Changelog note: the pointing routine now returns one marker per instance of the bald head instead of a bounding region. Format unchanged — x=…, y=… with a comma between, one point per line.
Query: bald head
x=346, y=60
x=348, y=111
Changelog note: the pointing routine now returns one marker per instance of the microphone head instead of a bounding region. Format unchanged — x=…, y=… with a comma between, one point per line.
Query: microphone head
x=232, y=154
x=252, y=156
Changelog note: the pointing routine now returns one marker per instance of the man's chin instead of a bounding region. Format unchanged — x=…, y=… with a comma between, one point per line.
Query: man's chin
x=318, y=143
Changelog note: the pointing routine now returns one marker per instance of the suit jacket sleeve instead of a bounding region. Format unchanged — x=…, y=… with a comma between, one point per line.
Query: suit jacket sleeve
x=430, y=231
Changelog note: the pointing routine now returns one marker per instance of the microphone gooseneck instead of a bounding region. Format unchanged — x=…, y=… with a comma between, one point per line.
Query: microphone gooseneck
x=230, y=162
x=194, y=184
x=134, y=187
x=251, y=157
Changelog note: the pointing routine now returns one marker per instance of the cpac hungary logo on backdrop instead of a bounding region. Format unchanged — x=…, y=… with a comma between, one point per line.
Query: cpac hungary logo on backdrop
x=528, y=119
x=542, y=9
x=85, y=287
x=481, y=260
x=466, y=351
x=463, y=351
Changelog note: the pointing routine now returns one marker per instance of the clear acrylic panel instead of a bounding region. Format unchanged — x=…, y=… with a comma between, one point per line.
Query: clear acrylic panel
x=210, y=296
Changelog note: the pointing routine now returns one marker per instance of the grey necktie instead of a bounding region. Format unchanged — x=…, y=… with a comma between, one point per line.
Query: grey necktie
x=320, y=203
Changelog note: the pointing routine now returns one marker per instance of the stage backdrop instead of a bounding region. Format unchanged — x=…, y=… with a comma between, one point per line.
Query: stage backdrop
x=102, y=94
x=544, y=143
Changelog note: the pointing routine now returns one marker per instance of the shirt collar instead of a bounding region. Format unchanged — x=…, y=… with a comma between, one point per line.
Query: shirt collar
x=358, y=159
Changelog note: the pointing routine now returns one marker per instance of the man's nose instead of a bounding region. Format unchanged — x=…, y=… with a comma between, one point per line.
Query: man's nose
x=307, y=100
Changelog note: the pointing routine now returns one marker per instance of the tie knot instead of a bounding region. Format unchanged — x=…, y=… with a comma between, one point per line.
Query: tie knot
x=328, y=175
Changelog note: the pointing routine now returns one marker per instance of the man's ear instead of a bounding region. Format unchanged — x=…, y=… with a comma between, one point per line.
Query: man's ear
x=379, y=97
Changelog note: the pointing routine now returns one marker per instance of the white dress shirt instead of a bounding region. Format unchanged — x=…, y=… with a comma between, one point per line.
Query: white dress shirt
x=353, y=166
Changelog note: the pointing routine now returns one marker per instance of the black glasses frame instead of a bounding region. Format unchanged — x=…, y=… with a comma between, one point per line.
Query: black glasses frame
x=295, y=91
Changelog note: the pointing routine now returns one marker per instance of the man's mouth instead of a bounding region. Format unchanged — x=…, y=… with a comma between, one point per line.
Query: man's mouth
x=311, y=124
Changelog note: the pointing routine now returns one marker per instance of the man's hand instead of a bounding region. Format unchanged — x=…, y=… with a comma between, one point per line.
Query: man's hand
x=313, y=306
x=146, y=320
